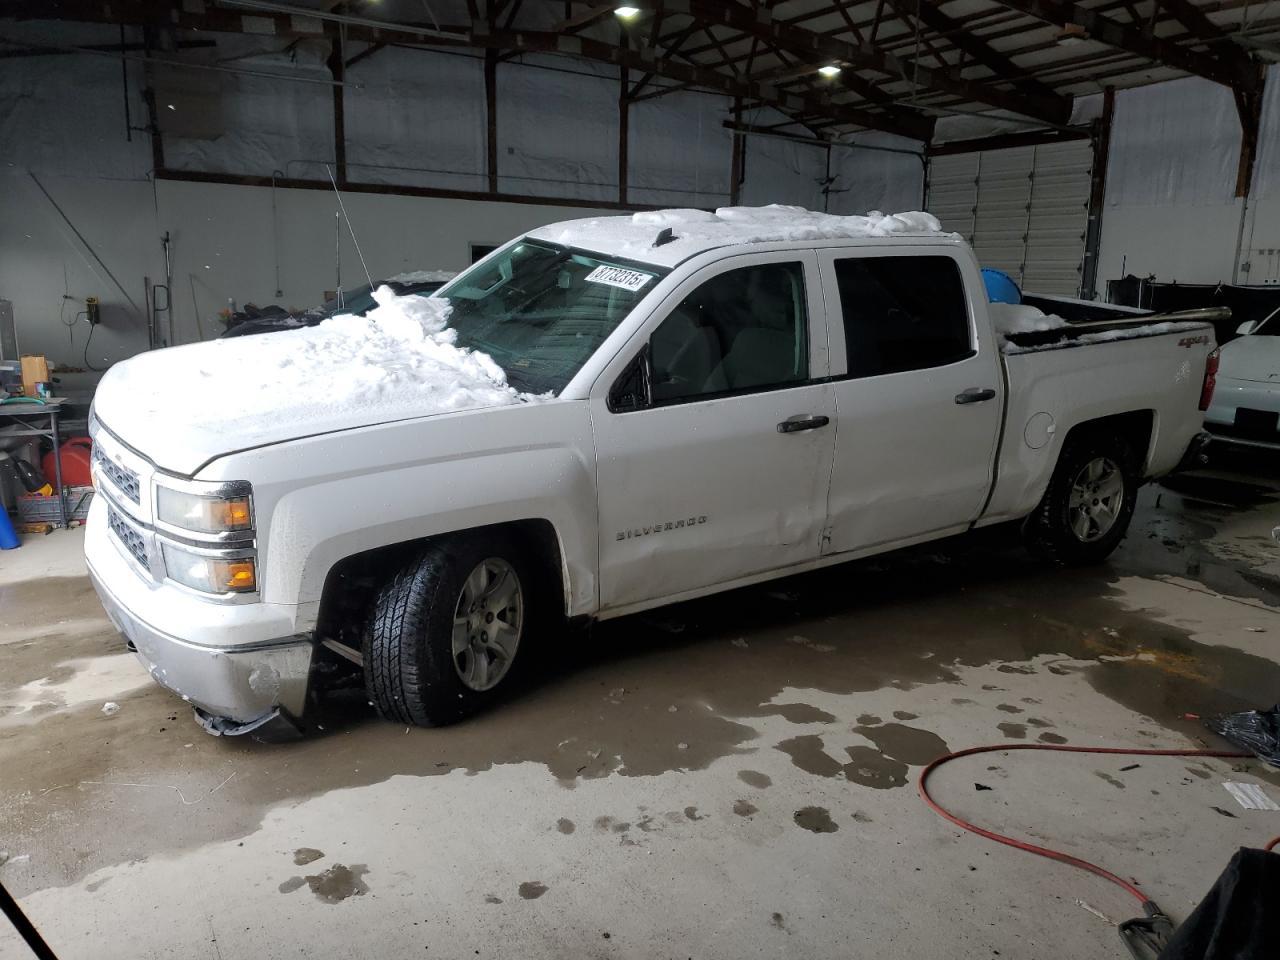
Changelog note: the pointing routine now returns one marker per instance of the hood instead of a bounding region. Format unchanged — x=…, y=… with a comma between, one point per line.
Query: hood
x=1253, y=357
x=184, y=406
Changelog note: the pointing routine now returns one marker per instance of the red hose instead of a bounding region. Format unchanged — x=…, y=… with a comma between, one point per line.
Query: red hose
x=1061, y=857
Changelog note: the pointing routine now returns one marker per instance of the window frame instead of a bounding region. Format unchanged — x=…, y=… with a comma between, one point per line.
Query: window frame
x=816, y=329
x=827, y=259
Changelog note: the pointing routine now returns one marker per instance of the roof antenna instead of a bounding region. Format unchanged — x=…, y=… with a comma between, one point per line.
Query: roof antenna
x=350, y=230
x=665, y=236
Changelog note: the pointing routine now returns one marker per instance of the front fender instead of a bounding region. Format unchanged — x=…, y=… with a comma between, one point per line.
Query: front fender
x=321, y=499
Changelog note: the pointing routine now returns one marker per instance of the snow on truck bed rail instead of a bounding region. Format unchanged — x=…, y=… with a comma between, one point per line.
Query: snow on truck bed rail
x=1009, y=320
x=693, y=231
x=396, y=362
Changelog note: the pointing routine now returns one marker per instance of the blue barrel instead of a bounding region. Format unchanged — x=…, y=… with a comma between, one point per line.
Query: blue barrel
x=8, y=538
x=1000, y=286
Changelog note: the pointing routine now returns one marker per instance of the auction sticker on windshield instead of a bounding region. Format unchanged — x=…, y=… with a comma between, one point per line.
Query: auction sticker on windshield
x=618, y=277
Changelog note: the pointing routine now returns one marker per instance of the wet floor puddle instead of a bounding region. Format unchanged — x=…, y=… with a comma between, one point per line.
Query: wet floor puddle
x=639, y=698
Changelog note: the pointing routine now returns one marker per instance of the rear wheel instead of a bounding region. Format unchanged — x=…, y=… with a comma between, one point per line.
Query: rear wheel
x=448, y=630
x=1086, y=510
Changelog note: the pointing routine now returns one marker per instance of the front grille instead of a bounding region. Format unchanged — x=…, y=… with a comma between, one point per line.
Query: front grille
x=124, y=479
x=132, y=541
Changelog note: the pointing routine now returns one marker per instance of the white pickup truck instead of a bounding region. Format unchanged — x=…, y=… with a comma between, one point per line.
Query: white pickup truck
x=600, y=417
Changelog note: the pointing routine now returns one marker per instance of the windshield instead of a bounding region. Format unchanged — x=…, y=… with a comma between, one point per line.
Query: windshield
x=540, y=310
x=357, y=300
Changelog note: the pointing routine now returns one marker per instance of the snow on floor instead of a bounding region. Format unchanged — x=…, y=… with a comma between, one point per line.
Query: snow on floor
x=633, y=237
x=400, y=360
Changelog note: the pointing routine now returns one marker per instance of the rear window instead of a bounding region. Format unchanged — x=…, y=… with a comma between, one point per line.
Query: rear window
x=902, y=313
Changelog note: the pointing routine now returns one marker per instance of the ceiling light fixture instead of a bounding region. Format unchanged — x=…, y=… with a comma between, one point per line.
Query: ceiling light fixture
x=626, y=12
x=830, y=70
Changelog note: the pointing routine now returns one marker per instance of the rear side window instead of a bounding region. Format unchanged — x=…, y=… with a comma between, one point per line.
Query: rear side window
x=902, y=313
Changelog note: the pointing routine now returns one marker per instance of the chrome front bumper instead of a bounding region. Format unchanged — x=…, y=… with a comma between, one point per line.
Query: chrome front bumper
x=243, y=683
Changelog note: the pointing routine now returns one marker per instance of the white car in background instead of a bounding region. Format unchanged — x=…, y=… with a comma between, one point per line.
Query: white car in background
x=1246, y=404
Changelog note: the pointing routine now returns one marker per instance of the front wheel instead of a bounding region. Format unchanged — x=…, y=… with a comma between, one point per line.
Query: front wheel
x=447, y=631
x=1085, y=511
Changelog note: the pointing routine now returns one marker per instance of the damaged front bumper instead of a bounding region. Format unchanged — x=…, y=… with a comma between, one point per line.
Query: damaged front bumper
x=234, y=689
x=238, y=665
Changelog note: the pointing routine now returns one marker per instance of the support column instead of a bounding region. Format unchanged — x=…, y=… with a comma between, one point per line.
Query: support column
x=1097, y=196
x=337, y=69
x=491, y=115
x=1249, y=106
x=737, y=160
x=624, y=133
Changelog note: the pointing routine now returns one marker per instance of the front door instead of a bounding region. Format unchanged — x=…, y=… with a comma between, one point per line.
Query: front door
x=918, y=397
x=720, y=471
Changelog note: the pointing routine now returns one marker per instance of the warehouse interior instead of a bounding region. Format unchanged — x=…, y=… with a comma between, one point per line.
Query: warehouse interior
x=735, y=774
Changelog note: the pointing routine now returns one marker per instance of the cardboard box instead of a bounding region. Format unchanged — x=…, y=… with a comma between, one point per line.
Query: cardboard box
x=35, y=369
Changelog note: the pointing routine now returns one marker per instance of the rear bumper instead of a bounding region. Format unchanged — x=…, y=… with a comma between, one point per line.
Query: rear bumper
x=1233, y=400
x=239, y=662
x=1195, y=455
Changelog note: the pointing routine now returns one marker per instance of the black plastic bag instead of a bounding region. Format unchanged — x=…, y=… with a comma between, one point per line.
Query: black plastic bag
x=1237, y=920
x=1258, y=731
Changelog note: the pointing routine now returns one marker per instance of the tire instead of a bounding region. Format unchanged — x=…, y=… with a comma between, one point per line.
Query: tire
x=1072, y=526
x=412, y=674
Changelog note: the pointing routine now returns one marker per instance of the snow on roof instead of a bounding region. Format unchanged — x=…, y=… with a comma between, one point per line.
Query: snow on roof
x=695, y=231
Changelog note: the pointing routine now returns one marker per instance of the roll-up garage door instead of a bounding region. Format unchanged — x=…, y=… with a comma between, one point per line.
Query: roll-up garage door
x=1024, y=209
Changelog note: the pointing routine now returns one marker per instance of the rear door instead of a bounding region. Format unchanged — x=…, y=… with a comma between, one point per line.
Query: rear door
x=918, y=396
x=721, y=471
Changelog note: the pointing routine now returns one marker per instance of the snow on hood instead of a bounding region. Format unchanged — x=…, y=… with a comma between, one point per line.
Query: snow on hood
x=1252, y=357
x=185, y=405
x=696, y=230
x=424, y=276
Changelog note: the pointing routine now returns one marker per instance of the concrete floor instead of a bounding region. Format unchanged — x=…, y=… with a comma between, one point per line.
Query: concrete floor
x=728, y=778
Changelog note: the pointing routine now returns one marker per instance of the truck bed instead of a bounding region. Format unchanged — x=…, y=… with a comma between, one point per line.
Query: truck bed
x=1149, y=370
x=1103, y=331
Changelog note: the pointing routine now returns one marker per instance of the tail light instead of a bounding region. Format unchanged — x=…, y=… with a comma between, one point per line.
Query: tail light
x=1210, y=380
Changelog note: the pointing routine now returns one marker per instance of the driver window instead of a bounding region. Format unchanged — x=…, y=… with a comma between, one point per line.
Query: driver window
x=745, y=329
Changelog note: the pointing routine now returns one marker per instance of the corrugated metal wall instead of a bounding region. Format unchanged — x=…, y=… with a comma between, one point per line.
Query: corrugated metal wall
x=1024, y=209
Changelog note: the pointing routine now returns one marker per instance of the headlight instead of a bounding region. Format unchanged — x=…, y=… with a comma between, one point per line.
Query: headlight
x=215, y=575
x=204, y=513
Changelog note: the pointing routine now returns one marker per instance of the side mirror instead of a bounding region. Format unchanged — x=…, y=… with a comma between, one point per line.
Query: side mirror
x=1247, y=327
x=631, y=390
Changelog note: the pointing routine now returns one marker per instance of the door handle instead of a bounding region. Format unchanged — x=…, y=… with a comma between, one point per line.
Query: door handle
x=975, y=395
x=802, y=422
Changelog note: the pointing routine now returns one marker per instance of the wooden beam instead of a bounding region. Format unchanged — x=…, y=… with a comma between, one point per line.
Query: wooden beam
x=285, y=21
x=915, y=127
x=959, y=36
x=1002, y=141
x=1137, y=41
x=387, y=189
x=809, y=44
x=365, y=54
x=584, y=19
